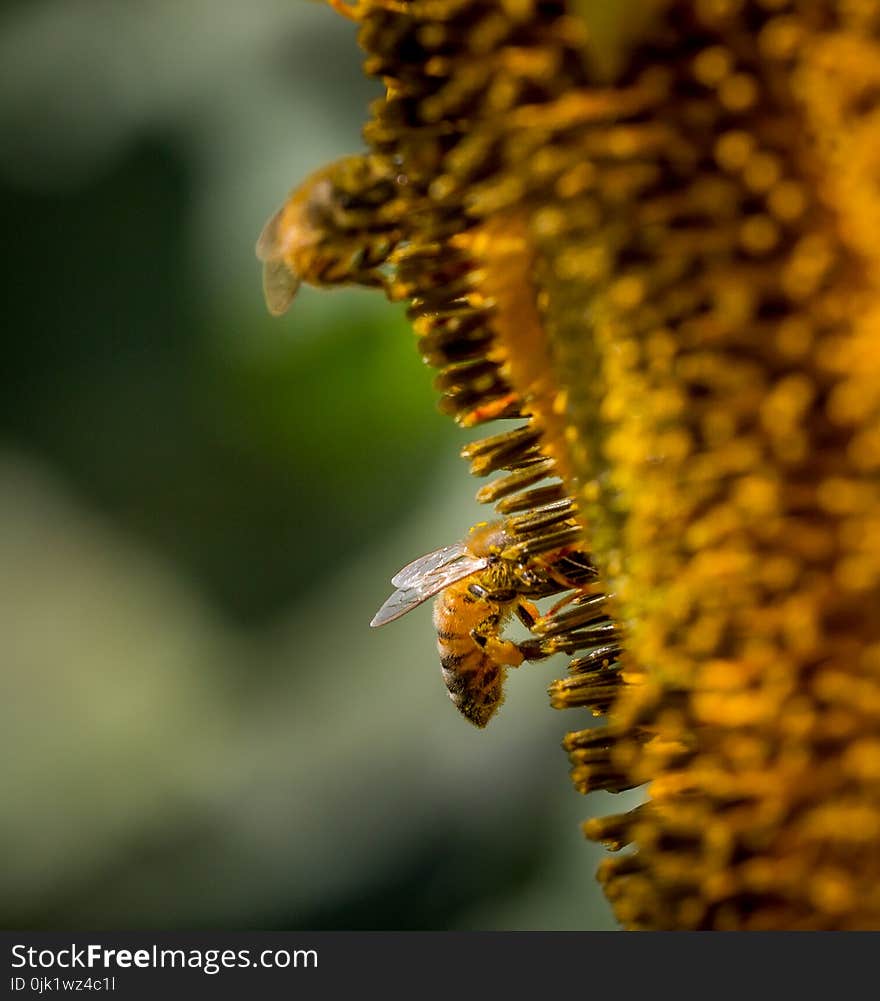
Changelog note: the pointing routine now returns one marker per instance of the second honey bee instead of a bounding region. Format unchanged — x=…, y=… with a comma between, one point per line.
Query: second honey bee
x=477, y=592
x=338, y=227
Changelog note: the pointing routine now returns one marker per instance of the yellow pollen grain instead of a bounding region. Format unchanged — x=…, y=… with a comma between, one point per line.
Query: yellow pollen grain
x=718, y=427
x=856, y=573
x=575, y=181
x=839, y=495
x=724, y=675
x=591, y=492
x=738, y=92
x=784, y=405
x=778, y=573
x=626, y=293
x=780, y=37
x=712, y=65
x=862, y=760
x=590, y=264
x=787, y=200
x=759, y=234
x=864, y=450
x=443, y=186
x=831, y=891
x=762, y=171
x=560, y=402
x=757, y=496
x=437, y=66
x=870, y=659
x=807, y=266
x=432, y=36
x=732, y=150
x=712, y=11
x=794, y=336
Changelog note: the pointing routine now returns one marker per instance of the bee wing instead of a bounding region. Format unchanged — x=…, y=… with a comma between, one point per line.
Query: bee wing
x=427, y=576
x=267, y=248
x=425, y=566
x=280, y=285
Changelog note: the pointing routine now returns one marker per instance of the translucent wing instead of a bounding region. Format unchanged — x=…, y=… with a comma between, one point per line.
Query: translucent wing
x=427, y=576
x=280, y=285
x=425, y=566
x=267, y=242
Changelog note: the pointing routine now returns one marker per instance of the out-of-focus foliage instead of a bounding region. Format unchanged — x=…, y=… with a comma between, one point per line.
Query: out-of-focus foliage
x=200, y=508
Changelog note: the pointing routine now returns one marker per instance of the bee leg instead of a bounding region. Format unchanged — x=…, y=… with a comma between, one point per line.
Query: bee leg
x=527, y=613
x=503, y=652
x=554, y=574
x=535, y=650
x=508, y=653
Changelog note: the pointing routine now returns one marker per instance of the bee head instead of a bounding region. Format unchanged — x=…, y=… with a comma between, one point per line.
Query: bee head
x=489, y=539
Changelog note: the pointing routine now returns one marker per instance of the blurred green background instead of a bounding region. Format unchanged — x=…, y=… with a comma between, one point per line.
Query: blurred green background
x=200, y=509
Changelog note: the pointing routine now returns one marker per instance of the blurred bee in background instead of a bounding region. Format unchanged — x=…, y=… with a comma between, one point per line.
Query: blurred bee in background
x=338, y=227
x=477, y=592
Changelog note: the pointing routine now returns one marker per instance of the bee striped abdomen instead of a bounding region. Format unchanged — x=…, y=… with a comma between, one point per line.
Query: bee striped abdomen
x=474, y=680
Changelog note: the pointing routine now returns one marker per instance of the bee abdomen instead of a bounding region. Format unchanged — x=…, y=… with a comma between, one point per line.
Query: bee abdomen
x=467, y=662
x=451, y=661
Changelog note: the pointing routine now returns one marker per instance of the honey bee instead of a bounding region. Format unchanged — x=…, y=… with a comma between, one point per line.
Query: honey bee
x=477, y=591
x=338, y=227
